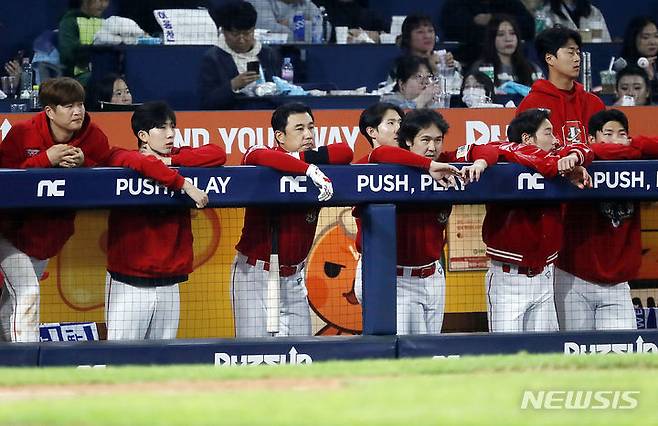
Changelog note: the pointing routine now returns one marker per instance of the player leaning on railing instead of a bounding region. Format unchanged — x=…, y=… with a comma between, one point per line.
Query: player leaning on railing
x=62, y=135
x=286, y=231
x=421, y=228
x=150, y=251
x=602, y=244
x=523, y=240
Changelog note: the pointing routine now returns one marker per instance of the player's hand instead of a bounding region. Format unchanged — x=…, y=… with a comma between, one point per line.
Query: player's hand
x=241, y=80
x=444, y=174
x=580, y=177
x=57, y=152
x=567, y=164
x=321, y=181
x=76, y=159
x=199, y=197
x=473, y=172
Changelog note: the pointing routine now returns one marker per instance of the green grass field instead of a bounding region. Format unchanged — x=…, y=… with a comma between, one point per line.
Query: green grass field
x=410, y=392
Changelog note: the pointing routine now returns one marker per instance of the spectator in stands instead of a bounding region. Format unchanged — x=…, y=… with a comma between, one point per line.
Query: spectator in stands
x=477, y=88
x=277, y=15
x=465, y=21
x=641, y=41
x=633, y=81
x=578, y=15
x=112, y=88
x=414, y=86
x=76, y=30
x=418, y=38
x=355, y=15
x=503, y=50
x=533, y=5
x=224, y=67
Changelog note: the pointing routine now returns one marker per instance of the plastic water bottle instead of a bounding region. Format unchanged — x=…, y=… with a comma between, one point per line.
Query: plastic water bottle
x=287, y=71
x=35, y=104
x=317, y=26
x=27, y=79
x=298, y=27
x=540, y=21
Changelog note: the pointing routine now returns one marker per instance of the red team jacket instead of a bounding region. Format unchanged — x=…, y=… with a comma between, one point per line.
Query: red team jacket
x=421, y=228
x=296, y=225
x=602, y=240
x=154, y=246
x=576, y=106
x=528, y=235
x=42, y=234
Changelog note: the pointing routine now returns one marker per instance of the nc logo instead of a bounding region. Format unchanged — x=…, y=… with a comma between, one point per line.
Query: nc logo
x=530, y=181
x=51, y=188
x=292, y=184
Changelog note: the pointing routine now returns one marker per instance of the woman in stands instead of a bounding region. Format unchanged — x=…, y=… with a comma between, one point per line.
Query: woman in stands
x=503, y=50
x=578, y=15
x=633, y=81
x=641, y=41
x=476, y=89
x=414, y=84
x=112, y=89
x=224, y=68
x=418, y=38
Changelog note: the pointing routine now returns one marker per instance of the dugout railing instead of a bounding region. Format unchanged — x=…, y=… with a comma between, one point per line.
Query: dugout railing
x=353, y=185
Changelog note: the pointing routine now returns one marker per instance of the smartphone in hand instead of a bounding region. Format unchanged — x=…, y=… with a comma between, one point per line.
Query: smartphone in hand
x=253, y=66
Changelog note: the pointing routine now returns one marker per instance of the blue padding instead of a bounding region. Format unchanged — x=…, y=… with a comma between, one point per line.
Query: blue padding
x=586, y=342
x=379, y=274
x=19, y=354
x=246, y=186
x=218, y=351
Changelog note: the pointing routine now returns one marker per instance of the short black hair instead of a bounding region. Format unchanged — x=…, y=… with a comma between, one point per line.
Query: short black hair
x=411, y=22
x=528, y=122
x=417, y=120
x=151, y=115
x=373, y=116
x=599, y=119
x=552, y=39
x=235, y=15
x=406, y=67
x=634, y=70
x=281, y=114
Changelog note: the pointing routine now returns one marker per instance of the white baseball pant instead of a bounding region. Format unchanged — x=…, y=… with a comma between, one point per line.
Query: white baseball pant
x=517, y=302
x=19, y=302
x=420, y=302
x=249, y=300
x=141, y=313
x=586, y=305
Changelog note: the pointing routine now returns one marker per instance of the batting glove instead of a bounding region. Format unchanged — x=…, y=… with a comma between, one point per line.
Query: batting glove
x=321, y=181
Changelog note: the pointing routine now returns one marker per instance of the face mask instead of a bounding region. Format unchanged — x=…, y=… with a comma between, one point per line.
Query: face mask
x=474, y=96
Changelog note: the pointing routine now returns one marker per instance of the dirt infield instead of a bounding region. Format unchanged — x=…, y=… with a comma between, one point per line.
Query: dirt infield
x=17, y=393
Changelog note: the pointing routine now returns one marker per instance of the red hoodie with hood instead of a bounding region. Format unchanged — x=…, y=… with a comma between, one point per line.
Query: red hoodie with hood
x=41, y=234
x=570, y=109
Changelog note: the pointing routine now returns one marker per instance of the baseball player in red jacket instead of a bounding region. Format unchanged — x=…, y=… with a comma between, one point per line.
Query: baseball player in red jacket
x=379, y=124
x=421, y=228
x=523, y=240
x=294, y=130
x=602, y=245
x=62, y=135
x=149, y=251
x=570, y=105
